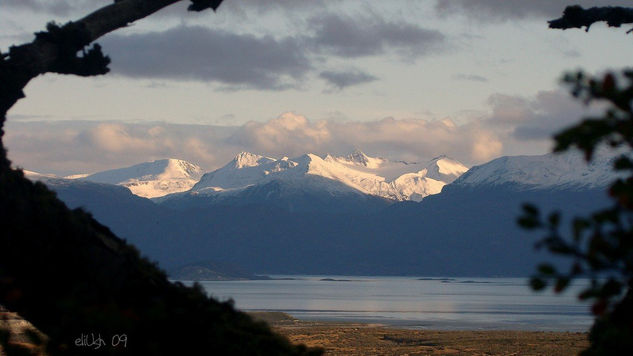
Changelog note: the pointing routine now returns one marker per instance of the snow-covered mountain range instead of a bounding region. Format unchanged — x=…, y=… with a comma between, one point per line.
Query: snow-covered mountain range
x=550, y=171
x=356, y=173
x=322, y=215
x=396, y=180
x=151, y=179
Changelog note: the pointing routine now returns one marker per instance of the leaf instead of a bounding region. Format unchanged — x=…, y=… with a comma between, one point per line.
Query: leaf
x=561, y=284
x=599, y=307
x=530, y=219
x=611, y=288
x=579, y=225
x=546, y=269
x=623, y=163
x=530, y=209
x=537, y=284
x=554, y=219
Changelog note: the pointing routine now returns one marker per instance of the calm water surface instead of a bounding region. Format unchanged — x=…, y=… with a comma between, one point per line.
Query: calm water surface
x=425, y=303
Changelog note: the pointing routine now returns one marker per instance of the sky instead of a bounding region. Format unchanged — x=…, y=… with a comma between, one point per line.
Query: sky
x=401, y=79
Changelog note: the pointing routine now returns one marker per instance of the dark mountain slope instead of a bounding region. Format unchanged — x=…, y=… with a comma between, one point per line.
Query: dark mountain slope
x=463, y=231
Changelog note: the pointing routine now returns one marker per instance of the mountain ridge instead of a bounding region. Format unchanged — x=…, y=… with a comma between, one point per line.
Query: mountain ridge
x=289, y=227
x=550, y=171
x=151, y=179
x=369, y=175
x=354, y=173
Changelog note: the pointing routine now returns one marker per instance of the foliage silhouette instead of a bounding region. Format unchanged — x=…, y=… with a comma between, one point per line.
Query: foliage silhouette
x=68, y=274
x=601, y=245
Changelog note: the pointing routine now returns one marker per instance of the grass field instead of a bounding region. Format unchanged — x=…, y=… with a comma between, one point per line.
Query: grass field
x=364, y=339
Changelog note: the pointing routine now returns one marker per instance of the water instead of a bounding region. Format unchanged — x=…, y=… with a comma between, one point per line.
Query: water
x=421, y=303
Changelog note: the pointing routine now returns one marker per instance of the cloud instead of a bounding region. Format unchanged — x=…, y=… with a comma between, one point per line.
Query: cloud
x=247, y=61
x=571, y=53
x=74, y=8
x=201, y=54
x=513, y=125
x=538, y=118
x=115, y=138
x=276, y=5
x=486, y=146
x=470, y=78
x=348, y=36
x=85, y=147
x=342, y=79
x=67, y=147
x=289, y=134
x=507, y=10
x=412, y=139
x=55, y=7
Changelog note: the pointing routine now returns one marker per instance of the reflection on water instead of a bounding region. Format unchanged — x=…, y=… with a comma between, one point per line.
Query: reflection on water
x=432, y=303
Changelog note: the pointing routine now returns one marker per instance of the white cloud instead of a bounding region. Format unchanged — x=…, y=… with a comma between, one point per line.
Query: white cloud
x=486, y=146
x=115, y=138
x=292, y=134
x=288, y=134
x=67, y=147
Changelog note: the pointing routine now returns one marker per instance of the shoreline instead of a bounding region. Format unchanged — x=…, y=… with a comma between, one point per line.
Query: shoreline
x=415, y=324
x=348, y=338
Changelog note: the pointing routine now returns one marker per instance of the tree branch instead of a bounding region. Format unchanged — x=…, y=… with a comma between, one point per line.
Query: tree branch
x=577, y=17
x=55, y=50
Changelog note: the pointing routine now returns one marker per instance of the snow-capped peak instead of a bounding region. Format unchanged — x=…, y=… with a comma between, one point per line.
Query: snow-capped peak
x=152, y=179
x=359, y=158
x=156, y=170
x=567, y=170
x=179, y=169
x=396, y=180
x=247, y=159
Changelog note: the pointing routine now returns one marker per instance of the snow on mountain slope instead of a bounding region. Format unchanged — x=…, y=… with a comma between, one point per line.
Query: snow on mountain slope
x=244, y=170
x=77, y=176
x=35, y=176
x=359, y=159
x=356, y=173
x=568, y=170
x=396, y=180
x=445, y=169
x=152, y=179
